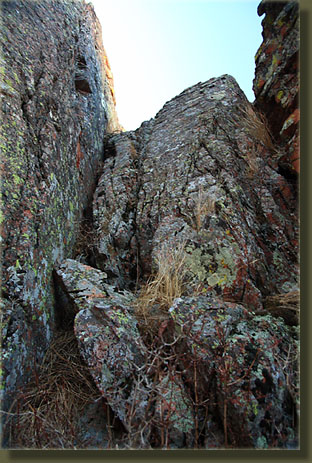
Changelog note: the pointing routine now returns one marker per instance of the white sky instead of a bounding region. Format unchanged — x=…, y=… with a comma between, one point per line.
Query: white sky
x=158, y=48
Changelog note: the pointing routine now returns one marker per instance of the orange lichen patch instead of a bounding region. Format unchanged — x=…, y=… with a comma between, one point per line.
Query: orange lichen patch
x=270, y=48
x=261, y=83
x=79, y=154
x=296, y=165
x=28, y=214
x=96, y=294
x=284, y=30
x=295, y=156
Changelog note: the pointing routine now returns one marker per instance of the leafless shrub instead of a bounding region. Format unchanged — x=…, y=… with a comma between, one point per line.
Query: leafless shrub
x=204, y=205
x=257, y=127
x=85, y=241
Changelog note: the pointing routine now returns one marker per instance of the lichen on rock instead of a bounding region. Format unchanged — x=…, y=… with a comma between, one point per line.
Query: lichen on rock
x=169, y=253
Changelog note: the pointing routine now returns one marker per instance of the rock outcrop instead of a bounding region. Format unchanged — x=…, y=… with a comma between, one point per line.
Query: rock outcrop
x=202, y=179
x=276, y=83
x=225, y=371
x=181, y=289
x=203, y=173
x=56, y=106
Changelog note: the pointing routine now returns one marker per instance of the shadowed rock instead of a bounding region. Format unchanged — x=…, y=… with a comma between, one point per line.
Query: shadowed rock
x=51, y=149
x=246, y=365
x=276, y=83
x=119, y=362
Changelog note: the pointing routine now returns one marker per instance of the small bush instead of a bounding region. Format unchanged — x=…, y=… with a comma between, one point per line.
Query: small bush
x=85, y=241
x=284, y=305
x=203, y=206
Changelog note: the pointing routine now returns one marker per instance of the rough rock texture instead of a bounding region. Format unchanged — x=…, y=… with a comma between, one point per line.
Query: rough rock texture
x=201, y=173
x=118, y=359
x=56, y=106
x=203, y=180
x=247, y=363
x=226, y=368
x=276, y=82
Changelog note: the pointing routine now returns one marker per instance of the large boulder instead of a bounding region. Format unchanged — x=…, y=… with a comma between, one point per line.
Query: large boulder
x=56, y=106
x=150, y=402
x=243, y=368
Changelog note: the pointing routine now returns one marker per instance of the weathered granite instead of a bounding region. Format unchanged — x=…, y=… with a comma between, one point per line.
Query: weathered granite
x=56, y=106
x=276, y=83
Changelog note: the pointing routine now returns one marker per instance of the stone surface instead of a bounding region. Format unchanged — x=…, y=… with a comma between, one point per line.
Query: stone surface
x=108, y=338
x=56, y=106
x=203, y=180
x=225, y=371
x=201, y=173
x=246, y=365
x=276, y=83
x=121, y=363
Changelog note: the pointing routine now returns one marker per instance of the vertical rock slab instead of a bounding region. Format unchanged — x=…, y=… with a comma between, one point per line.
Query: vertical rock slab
x=276, y=82
x=110, y=343
x=56, y=105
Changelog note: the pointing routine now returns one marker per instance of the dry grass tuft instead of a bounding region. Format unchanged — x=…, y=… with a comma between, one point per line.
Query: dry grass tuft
x=165, y=285
x=257, y=127
x=47, y=412
x=285, y=305
x=203, y=206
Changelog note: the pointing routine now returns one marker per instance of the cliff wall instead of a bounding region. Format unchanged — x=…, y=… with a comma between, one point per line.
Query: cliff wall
x=57, y=104
x=276, y=83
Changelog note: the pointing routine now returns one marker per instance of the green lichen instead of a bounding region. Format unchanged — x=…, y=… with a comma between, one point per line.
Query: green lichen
x=262, y=443
x=280, y=95
x=214, y=264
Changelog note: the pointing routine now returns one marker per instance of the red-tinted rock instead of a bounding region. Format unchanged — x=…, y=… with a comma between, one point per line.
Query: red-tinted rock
x=276, y=82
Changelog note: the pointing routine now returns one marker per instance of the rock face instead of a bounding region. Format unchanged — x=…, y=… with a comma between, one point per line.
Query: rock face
x=202, y=173
x=225, y=371
x=56, y=105
x=201, y=178
x=276, y=82
x=198, y=205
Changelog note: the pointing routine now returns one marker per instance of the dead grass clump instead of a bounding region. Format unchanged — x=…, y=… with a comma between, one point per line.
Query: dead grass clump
x=46, y=414
x=257, y=127
x=165, y=285
x=203, y=206
x=284, y=305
